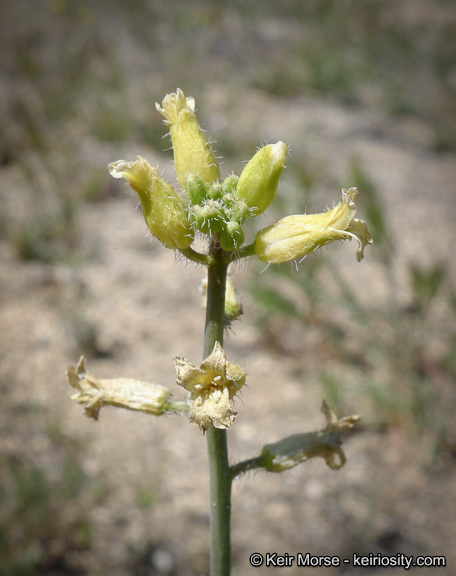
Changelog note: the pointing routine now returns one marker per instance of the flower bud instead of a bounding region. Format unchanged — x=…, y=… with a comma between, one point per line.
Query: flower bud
x=230, y=183
x=295, y=236
x=208, y=218
x=192, y=152
x=258, y=182
x=196, y=190
x=232, y=237
x=215, y=191
x=236, y=209
x=163, y=209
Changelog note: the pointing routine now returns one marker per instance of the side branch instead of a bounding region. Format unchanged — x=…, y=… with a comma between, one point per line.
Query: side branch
x=197, y=257
x=294, y=450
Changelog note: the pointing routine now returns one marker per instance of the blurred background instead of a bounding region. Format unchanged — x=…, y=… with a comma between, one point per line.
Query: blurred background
x=365, y=95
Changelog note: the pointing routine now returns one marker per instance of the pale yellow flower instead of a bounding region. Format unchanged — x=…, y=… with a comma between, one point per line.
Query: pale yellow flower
x=193, y=155
x=165, y=212
x=211, y=387
x=295, y=236
x=259, y=180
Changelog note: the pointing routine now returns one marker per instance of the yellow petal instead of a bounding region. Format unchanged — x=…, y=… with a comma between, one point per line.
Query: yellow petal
x=193, y=155
x=163, y=209
x=259, y=180
x=295, y=236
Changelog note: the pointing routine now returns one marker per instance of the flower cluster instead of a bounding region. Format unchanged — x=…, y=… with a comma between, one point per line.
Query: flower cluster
x=218, y=207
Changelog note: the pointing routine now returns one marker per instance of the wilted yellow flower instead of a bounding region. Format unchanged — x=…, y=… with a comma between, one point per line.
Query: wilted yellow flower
x=193, y=154
x=211, y=387
x=120, y=392
x=259, y=180
x=163, y=209
x=295, y=236
x=294, y=450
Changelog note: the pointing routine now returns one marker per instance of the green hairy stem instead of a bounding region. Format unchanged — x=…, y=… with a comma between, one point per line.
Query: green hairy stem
x=219, y=469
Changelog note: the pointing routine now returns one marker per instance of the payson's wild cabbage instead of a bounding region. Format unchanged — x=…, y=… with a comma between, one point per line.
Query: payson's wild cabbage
x=218, y=208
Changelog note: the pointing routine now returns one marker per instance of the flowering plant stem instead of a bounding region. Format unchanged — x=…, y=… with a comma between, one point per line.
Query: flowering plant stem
x=218, y=207
x=219, y=469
